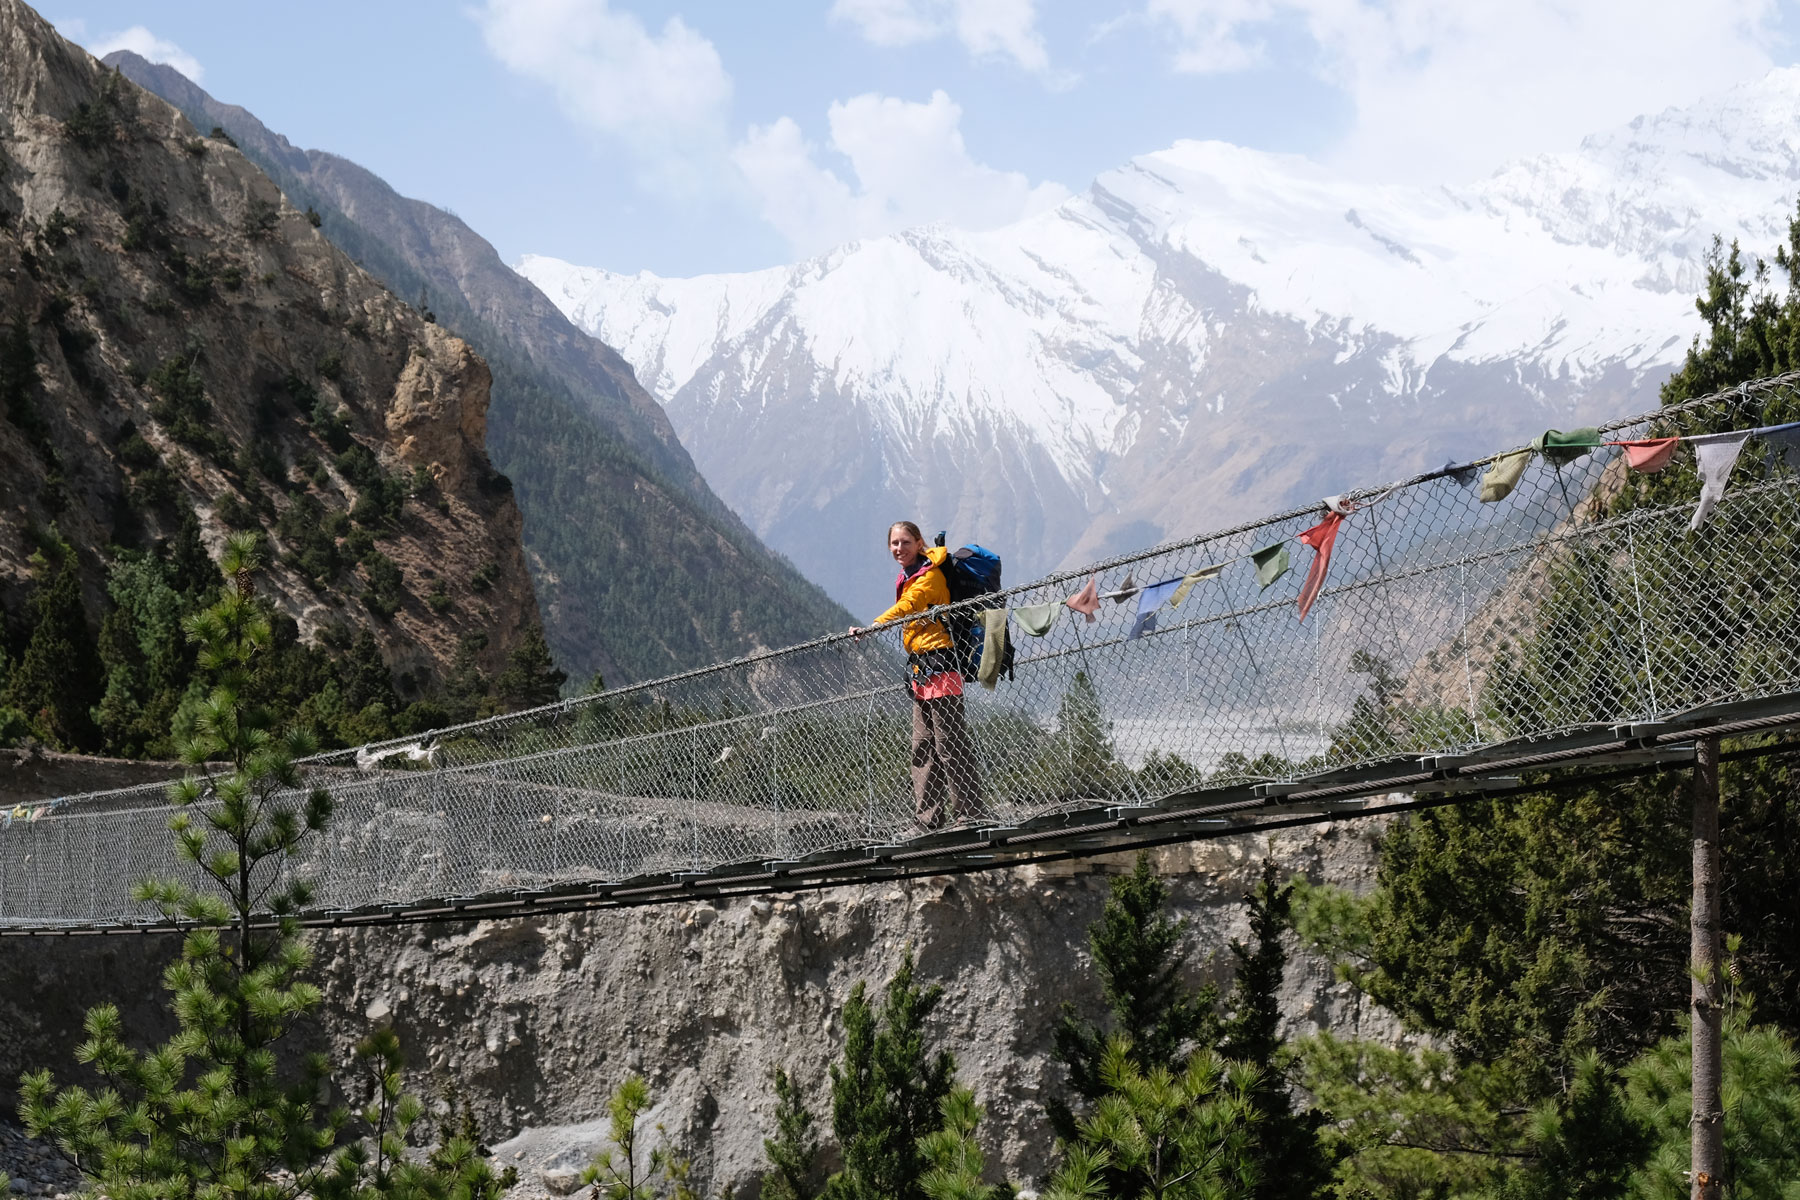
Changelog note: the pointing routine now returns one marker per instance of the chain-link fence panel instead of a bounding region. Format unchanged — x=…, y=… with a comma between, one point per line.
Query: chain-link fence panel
x=1444, y=624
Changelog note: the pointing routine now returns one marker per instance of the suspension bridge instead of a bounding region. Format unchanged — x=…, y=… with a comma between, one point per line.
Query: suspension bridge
x=1457, y=644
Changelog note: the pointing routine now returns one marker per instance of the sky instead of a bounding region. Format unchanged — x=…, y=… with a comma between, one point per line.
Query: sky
x=684, y=137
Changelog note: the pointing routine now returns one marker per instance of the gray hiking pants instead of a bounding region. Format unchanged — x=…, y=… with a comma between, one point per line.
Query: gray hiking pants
x=944, y=766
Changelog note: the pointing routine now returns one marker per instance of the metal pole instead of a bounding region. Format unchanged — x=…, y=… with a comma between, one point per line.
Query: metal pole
x=1708, y=1123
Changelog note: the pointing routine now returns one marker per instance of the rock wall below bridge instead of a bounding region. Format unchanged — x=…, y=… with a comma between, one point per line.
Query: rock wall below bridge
x=536, y=1021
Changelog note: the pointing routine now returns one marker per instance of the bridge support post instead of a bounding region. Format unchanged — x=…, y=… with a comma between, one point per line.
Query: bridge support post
x=1706, y=971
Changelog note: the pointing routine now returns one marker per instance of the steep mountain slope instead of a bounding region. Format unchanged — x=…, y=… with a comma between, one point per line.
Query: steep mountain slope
x=177, y=340
x=640, y=567
x=1206, y=333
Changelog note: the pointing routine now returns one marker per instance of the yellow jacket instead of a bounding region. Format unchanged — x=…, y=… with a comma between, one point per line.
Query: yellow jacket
x=925, y=589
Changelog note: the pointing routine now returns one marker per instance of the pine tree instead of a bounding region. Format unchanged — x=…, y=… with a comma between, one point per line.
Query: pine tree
x=191, y=570
x=954, y=1157
x=886, y=1094
x=211, y=1114
x=14, y=726
x=383, y=1165
x=466, y=689
x=366, y=677
x=120, y=710
x=1586, y=1143
x=1411, y=1122
x=18, y=378
x=1137, y=954
x=149, y=663
x=531, y=677
x=118, y=715
x=1082, y=758
x=58, y=679
x=626, y=1170
x=207, y=1111
x=793, y=1149
x=1178, y=1135
x=1289, y=1162
x=1762, y=1111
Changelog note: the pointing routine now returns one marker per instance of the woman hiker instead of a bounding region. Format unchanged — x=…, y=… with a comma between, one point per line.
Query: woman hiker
x=943, y=758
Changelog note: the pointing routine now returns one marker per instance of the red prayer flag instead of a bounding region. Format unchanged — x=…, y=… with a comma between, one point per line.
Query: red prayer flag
x=1320, y=537
x=1087, y=600
x=1649, y=455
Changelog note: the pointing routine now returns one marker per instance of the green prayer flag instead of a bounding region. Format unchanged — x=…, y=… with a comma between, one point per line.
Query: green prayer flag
x=1190, y=579
x=993, y=646
x=1560, y=447
x=1271, y=563
x=1036, y=619
x=1503, y=476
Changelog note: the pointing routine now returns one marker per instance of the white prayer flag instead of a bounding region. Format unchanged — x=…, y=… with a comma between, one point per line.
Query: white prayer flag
x=1716, y=454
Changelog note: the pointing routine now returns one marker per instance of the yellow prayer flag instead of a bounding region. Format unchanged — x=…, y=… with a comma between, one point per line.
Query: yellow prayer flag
x=1190, y=579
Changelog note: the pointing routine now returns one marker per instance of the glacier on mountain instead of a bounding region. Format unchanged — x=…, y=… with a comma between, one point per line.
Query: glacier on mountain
x=1205, y=333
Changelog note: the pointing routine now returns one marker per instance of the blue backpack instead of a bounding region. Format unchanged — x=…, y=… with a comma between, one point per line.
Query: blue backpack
x=972, y=571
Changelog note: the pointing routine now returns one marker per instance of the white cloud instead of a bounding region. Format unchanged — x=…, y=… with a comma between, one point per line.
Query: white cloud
x=986, y=28
x=665, y=95
x=1447, y=88
x=141, y=41
x=910, y=164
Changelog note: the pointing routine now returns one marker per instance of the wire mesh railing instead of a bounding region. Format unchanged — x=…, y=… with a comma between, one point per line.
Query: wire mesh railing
x=1444, y=624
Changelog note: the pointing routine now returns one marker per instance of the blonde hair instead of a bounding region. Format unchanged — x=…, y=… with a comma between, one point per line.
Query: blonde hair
x=910, y=528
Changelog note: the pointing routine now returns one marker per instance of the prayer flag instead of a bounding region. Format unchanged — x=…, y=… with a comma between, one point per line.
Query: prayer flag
x=1149, y=600
x=1464, y=474
x=1086, y=601
x=1271, y=563
x=1717, y=454
x=1036, y=619
x=1784, y=443
x=1503, y=476
x=1648, y=455
x=1560, y=447
x=1321, y=538
x=1126, y=591
x=993, y=646
x=1190, y=579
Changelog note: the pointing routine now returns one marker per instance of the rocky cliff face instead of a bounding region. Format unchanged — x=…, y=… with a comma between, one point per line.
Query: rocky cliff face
x=192, y=340
x=459, y=272
x=641, y=569
x=542, y=1019
x=536, y=1021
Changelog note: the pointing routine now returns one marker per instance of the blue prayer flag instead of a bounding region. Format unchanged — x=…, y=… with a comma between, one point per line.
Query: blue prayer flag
x=1149, y=600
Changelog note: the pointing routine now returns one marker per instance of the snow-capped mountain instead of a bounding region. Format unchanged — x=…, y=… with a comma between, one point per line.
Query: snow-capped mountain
x=1206, y=334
